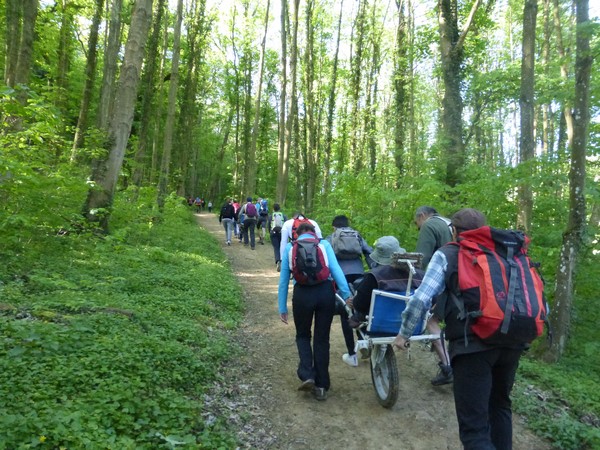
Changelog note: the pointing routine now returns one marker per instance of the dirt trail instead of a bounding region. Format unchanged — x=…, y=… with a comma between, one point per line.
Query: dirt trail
x=261, y=389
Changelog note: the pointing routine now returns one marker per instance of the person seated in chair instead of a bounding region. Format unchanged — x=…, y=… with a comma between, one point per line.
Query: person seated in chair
x=386, y=276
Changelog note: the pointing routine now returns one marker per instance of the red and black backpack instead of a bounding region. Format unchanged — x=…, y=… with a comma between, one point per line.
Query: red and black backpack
x=308, y=261
x=499, y=293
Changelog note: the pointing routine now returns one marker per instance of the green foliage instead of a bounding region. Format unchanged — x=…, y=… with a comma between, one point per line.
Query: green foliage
x=111, y=342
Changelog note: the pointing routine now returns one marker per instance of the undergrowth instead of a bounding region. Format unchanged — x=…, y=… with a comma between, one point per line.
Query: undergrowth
x=111, y=341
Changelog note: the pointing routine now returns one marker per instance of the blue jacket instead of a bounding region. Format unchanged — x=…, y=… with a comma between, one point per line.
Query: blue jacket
x=284, y=275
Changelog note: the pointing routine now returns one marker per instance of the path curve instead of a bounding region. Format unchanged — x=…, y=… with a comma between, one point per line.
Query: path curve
x=261, y=386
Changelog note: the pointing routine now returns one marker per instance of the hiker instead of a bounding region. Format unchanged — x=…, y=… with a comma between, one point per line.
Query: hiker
x=237, y=232
x=385, y=276
x=227, y=217
x=434, y=232
x=349, y=248
x=483, y=373
x=312, y=263
x=263, y=218
x=289, y=229
x=210, y=206
x=249, y=214
x=198, y=204
x=274, y=224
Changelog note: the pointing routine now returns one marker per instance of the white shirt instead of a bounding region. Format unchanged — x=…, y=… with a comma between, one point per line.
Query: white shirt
x=286, y=233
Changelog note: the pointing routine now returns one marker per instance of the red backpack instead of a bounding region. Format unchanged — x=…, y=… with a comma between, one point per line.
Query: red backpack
x=308, y=261
x=501, y=294
x=297, y=222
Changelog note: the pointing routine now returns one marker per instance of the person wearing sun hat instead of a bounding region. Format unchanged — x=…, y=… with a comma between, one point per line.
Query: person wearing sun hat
x=384, y=277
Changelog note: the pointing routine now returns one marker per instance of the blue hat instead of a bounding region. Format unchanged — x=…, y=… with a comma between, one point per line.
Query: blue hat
x=385, y=246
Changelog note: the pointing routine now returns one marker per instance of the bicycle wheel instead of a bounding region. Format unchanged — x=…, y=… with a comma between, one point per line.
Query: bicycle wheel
x=384, y=373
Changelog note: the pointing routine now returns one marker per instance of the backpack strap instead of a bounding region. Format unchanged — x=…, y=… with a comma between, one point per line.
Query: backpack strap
x=512, y=287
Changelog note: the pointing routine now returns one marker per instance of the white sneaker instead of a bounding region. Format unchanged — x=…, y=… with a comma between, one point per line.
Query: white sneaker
x=351, y=360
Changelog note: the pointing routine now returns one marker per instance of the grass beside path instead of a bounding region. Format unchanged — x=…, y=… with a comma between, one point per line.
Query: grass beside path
x=111, y=342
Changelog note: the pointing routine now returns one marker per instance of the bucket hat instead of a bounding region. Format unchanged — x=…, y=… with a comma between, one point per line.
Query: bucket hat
x=384, y=248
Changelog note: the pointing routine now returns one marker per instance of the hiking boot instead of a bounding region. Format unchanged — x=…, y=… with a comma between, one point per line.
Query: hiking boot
x=228, y=242
x=349, y=359
x=278, y=265
x=307, y=385
x=444, y=375
x=320, y=393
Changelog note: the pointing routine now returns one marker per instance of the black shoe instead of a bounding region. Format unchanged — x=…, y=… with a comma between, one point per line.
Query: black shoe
x=307, y=385
x=444, y=376
x=320, y=393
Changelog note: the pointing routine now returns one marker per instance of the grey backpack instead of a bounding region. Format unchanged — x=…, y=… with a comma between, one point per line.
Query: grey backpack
x=346, y=243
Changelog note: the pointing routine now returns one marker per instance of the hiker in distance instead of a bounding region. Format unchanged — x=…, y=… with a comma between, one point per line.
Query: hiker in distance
x=313, y=266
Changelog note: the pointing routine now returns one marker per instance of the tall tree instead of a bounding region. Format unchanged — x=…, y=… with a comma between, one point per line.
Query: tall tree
x=109, y=71
x=148, y=89
x=251, y=161
x=90, y=77
x=13, y=15
x=163, y=183
x=452, y=42
x=526, y=104
x=25, y=13
x=560, y=315
x=401, y=85
x=283, y=154
x=331, y=105
x=106, y=171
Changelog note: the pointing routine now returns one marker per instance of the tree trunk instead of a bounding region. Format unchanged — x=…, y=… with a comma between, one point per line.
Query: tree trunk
x=64, y=53
x=560, y=316
x=111, y=58
x=90, y=77
x=148, y=89
x=331, y=108
x=283, y=155
x=310, y=107
x=526, y=104
x=255, y=130
x=401, y=83
x=564, y=72
x=14, y=14
x=23, y=68
x=163, y=182
x=106, y=172
x=293, y=114
x=452, y=57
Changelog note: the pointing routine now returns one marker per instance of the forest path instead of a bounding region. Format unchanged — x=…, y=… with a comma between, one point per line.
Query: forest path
x=262, y=384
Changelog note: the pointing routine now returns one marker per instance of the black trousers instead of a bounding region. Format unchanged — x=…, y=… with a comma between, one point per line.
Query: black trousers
x=318, y=303
x=249, y=225
x=482, y=385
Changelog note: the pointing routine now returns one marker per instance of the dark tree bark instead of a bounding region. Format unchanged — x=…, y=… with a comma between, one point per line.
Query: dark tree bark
x=90, y=78
x=560, y=316
x=526, y=103
x=97, y=207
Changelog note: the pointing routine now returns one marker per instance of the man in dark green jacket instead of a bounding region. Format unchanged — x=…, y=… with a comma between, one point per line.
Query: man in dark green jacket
x=434, y=232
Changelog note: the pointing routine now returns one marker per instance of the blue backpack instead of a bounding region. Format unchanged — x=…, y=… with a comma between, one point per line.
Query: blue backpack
x=264, y=208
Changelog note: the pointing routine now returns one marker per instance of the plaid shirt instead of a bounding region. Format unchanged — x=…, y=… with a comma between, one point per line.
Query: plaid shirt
x=420, y=302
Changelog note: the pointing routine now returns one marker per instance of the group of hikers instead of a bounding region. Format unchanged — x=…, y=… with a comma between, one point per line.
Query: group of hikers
x=483, y=354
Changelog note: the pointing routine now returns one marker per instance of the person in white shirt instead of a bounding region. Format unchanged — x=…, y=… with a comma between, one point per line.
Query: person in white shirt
x=288, y=228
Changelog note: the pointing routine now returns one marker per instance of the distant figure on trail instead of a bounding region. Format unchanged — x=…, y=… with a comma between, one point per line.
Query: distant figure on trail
x=236, y=226
x=210, y=206
x=275, y=223
x=250, y=214
x=227, y=217
x=190, y=201
x=349, y=248
x=198, y=204
x=313, y=266
x=263, y=217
